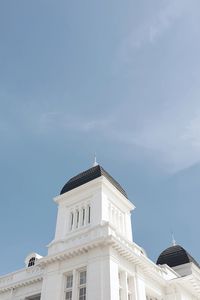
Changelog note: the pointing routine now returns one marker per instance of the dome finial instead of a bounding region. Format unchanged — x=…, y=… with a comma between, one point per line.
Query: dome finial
x=95, y=160
x=173, y=239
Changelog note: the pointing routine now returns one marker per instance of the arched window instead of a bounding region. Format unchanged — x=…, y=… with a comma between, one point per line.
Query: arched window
x=31, y=262
x=77, y=218
x=72, y=220
x=89, y=216
x=83, y=216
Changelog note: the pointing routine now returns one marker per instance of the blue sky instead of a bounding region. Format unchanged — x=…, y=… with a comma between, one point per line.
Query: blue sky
x=119, y=79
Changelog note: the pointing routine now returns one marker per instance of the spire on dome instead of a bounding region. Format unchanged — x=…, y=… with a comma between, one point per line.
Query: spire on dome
x=173, y=240
x=95, y=160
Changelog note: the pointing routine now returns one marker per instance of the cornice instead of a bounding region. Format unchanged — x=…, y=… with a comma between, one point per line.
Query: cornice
x=10, y=283
x=74, y=251
x=130, y=251
x=191, y=283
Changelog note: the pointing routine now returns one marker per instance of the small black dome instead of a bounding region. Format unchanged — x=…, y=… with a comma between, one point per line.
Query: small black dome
x=89, y=175
x=175, y=256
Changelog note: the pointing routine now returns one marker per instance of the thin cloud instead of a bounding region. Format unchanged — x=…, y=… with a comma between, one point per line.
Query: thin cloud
x=174, y=136
x=153, y=28
x=170, y=136
x=165, y=19
x=192, y=132
x=69, y=122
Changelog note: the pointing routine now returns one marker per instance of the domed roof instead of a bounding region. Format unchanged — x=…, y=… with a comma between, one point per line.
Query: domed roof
x=89, y=175
x=175, y=256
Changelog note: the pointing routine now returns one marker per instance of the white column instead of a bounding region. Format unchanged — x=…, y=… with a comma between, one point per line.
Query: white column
x=109, y=213
x=52, y=287
x=131, y=287
x=118, y=220
x=124, y=285
x=96, y=208
x=61, y=222
x=140, y=288
x=74, y=286
x=128, y=227
x=112, y=215
x=113, y=281
x=120, y=223
x=102, y=279
x=94, y=278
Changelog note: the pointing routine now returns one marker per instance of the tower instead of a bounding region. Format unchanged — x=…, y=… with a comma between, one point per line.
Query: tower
x=92, y=199
x=93, y=213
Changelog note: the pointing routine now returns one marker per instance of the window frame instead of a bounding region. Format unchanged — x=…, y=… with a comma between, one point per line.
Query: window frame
x=69, y=289
x=79, y=216
x=82, y=285
x=76, y=285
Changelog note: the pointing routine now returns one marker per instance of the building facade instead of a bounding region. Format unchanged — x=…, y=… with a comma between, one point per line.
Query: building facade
x=93, y=255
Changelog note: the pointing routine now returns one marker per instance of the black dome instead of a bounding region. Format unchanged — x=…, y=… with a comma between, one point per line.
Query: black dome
x=89, y=175
x=175, y=256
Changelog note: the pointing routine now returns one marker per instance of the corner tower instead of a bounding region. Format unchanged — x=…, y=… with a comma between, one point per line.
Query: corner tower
x=91, y=200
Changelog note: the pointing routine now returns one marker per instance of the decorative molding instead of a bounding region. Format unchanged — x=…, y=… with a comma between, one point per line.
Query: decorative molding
x=21, y=278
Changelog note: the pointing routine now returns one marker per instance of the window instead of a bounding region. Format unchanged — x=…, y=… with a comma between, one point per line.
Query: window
x=89, y=212
x=35, y=297
x=69, y=281
x=82, y=293
x=82, y=285
x=69, y=285
x=83, y=216
x=71, y=220
x=82, y=277
x=68, y=295
x=31, y=262
x=126, y=285
x=77, y=218
x=75, y=285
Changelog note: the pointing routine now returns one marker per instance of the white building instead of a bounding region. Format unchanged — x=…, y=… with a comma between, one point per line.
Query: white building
x=93, y=255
